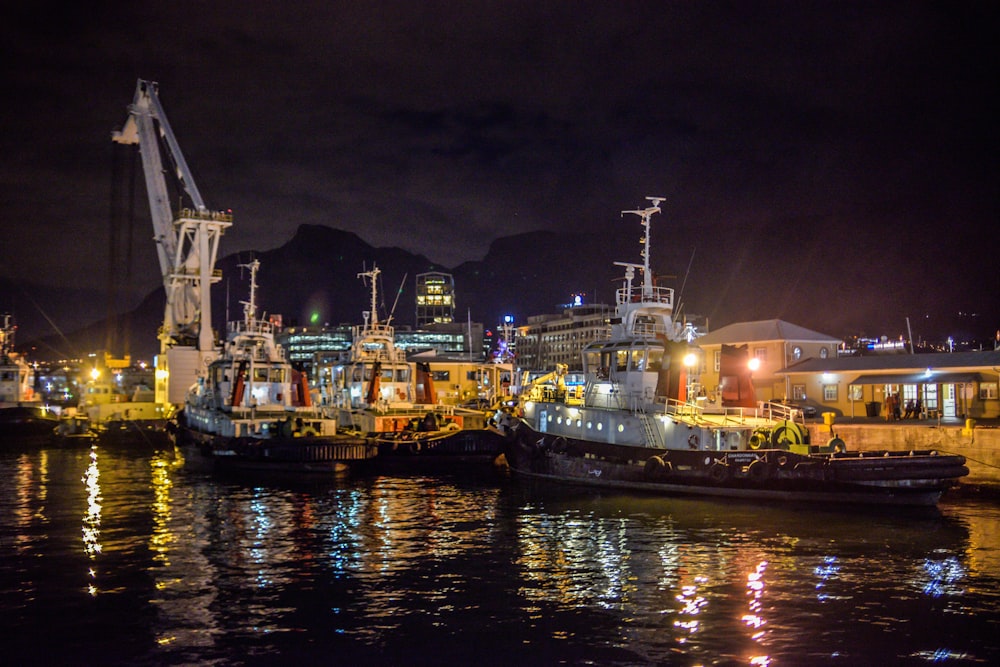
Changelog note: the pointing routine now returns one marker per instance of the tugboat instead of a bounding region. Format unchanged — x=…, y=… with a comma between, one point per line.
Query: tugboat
x=24, y=419
x=634, y=426
x=253, y=412
x=375, y=392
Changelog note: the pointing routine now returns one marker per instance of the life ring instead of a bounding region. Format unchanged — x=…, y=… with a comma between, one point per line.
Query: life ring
x=693, y=441
x=719, y=472
x=836, y=445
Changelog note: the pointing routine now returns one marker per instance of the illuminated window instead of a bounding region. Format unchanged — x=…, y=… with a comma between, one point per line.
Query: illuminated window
x=987, y=391
x=799, y=392
x=829, y=393
x=855, y=392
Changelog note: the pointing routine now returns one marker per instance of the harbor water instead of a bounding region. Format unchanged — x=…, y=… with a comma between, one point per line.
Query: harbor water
x=112, y=557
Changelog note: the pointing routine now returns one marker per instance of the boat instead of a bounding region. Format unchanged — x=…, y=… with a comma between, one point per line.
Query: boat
x=122, y=407
x=24, y=418
x=252, y=411
x=635, y=423
x=74, y=430
x=374, y=391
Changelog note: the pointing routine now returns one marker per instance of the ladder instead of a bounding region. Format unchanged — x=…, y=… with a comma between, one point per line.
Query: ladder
x=648, y=433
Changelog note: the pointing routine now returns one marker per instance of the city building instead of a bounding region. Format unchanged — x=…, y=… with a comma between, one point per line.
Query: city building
x=547, y=340
x=435, y=296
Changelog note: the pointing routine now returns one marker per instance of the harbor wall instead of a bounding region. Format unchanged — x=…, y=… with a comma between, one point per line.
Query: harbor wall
x=980, y=446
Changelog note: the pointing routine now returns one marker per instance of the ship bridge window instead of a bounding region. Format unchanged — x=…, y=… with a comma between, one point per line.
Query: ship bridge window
x=621, y=360
x=277, y=375
x=638, y=362
x=654, y=360
x=402, y=374
x=260, y=375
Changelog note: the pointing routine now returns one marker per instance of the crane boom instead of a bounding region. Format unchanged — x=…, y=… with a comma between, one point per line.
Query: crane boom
x=187, y=244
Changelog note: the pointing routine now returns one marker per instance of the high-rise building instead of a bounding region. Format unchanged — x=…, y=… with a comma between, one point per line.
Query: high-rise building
x=435, y=299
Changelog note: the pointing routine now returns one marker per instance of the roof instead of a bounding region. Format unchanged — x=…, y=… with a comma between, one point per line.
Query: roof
x=918, y=378
x=900, y=364
x=763, y=330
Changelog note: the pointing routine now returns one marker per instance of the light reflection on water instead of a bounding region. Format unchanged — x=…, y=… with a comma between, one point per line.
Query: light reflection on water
x=176, y=566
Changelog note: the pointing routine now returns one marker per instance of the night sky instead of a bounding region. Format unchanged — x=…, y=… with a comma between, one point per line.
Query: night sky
x=440, y=126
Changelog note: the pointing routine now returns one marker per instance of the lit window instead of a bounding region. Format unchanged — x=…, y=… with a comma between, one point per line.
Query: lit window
x=987, y=391
x=829, y=393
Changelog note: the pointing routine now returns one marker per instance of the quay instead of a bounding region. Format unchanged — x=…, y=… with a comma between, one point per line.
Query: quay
x=978, y=441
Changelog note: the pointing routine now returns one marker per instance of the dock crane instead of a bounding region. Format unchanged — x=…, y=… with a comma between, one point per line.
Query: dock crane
x=187, y=243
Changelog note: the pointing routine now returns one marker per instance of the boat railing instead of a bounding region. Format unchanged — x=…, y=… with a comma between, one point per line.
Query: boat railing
x=252, y=328
x=694, y=413
x=195, y=214
x=643, y=294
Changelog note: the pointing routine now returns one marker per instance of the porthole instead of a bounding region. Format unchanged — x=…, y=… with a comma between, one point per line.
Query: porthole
x=621, y=428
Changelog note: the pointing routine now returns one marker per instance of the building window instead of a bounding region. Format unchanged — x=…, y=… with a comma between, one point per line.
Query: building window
x=829, y=393
x=824, y=353
x=760, y=353
x=799, y=392
x=931, y=396
x=717, y=360
x=855, y=392
x=796, y=353
x=987, y=391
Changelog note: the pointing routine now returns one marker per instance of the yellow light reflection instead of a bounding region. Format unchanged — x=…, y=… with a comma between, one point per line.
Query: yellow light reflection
x=754, y=619
x=692, y=603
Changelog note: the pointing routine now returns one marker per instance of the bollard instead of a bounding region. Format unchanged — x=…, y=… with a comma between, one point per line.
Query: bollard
x=970, y=424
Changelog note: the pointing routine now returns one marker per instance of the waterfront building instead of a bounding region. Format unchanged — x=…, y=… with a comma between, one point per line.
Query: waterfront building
x=435, y=297
x=961, y=385
x=305, y=346
x=774, y=344
x=547, y=340
x=796, y=363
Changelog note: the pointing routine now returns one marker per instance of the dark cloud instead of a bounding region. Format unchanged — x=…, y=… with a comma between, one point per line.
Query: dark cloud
x=438, y=127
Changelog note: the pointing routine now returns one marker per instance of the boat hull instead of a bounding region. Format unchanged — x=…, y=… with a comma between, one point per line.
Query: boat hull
x=307, y=455
x=466, y=445
x=872, y=478
x=26, y=425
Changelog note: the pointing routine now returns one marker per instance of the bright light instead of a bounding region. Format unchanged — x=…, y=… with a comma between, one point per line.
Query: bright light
x=690, y=359
x=754, y=364
x=94, y=373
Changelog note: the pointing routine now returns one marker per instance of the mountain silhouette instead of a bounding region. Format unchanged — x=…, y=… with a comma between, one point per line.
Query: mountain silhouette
x=718, y=277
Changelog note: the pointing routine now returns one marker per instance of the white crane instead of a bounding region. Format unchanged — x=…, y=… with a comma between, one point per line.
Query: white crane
x=187, y=243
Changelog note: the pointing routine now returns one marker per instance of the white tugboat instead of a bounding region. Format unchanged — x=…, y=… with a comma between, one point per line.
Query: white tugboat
x=635, y=426
x=252, y=410
x=374, y=391
x=23, y=417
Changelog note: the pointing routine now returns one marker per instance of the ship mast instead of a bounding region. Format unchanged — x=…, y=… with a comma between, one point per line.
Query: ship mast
x=647, y=276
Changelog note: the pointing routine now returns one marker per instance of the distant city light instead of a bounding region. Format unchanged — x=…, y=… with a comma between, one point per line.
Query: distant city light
x=314, y=318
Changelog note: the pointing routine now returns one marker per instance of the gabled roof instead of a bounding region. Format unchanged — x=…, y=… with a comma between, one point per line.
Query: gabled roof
x=900, y=363
x=763, y=330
